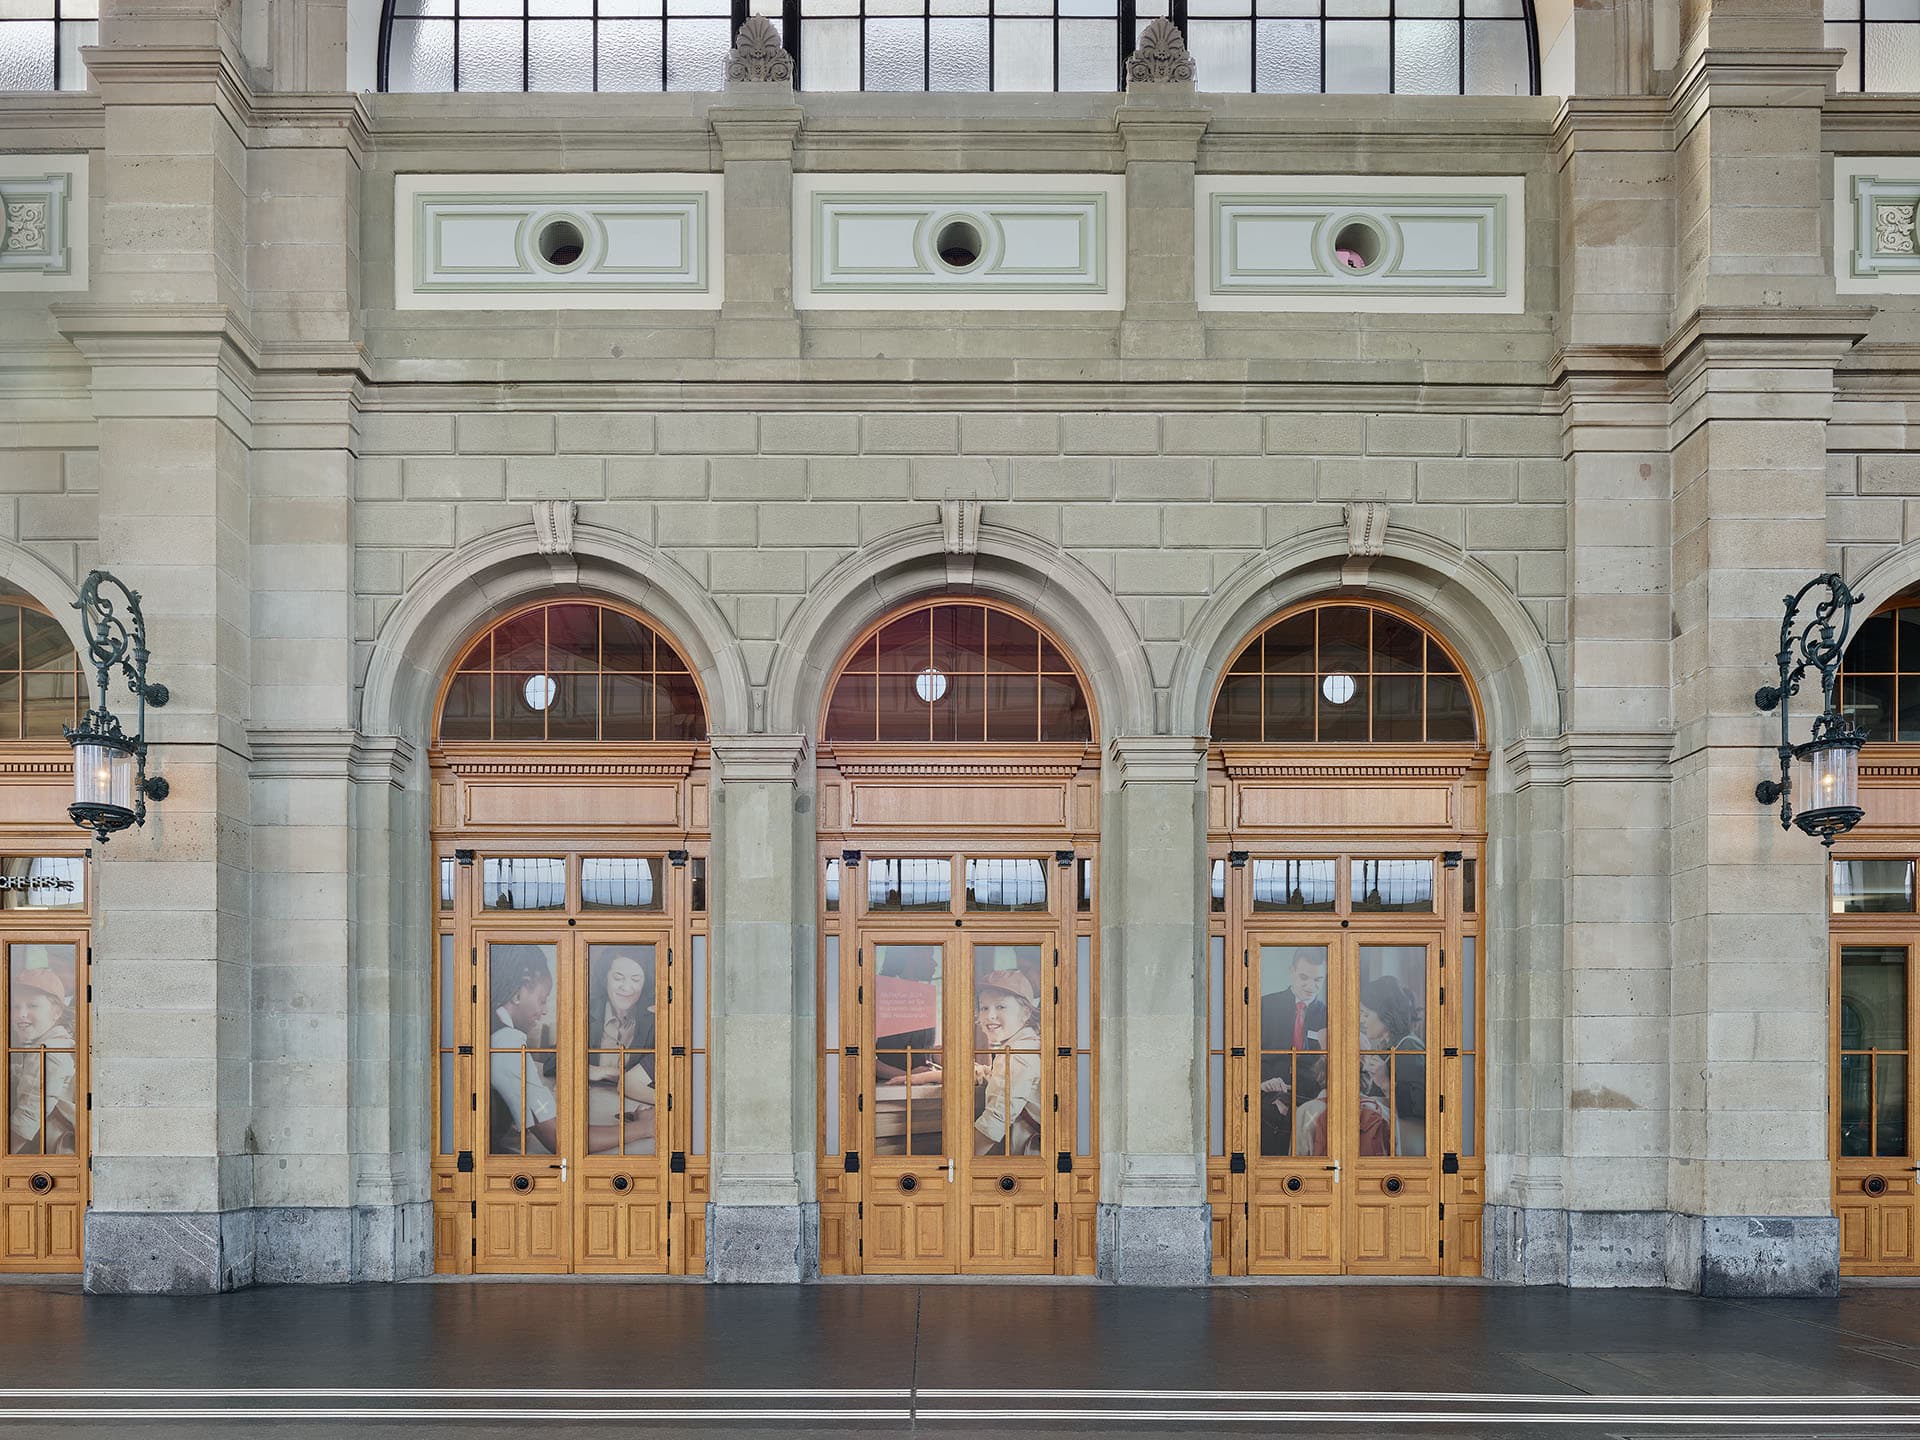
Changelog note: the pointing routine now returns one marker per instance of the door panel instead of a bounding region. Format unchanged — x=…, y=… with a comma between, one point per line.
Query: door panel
x=1008, y=1224
x=1293, y=1191
x=1873, y=1177
x=622, y=1191
x=911, y=1227
x=522, y=1195
x=42, y=1173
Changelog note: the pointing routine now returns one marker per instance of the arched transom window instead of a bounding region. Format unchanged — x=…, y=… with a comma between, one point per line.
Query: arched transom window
x=1880, y=679
x=572, y=670
x=41, y=685
x=958, y=672
x=1431, y=47
x=1344, y=673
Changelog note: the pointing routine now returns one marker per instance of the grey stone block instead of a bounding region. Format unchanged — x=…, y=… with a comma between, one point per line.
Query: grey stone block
x=1525, y=1246
x=763, y=1244
x=158, y=1253
x=303, y=1245
x=1610, y=1249
x=1756, y=1255
x=1155, y=1245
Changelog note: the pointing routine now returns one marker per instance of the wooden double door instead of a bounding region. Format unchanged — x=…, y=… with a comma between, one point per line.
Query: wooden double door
x=582, y=1086
x=964, y=1086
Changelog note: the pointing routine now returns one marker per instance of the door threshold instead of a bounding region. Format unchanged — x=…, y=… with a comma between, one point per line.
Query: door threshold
x=595, y=1279
x=962, y=1280
x=1231, y=1280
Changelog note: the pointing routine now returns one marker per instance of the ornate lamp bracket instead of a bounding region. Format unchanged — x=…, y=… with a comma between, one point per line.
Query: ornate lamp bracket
x=116, y=633
x=1815, y=643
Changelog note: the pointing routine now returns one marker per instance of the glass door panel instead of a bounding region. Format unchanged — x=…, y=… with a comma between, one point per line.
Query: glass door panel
x=1008, y=1220
x=1874, y=1191
x=1007, y=1071
x=622, y=1052
x=42, y=1182
x=909, y=1225
x=622, y=1190
x=1392, y=1220
x=523, y=1219
x=1392, y=1114
x=1294, y=1187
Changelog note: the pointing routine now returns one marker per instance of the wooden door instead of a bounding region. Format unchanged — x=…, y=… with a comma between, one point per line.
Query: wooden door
x=1872, y=1105
x=43, y=1175
x=529, y=1130
x=911, y=1084
x=1300, y=992
x=1344, y=1173
x=621, y=1036
x=1391, y=1224
x=1007, y=989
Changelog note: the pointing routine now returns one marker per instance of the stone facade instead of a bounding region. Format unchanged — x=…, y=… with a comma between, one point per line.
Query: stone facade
x=1600, y=500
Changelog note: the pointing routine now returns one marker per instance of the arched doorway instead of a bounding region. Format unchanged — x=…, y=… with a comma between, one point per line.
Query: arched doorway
x=958, y=790
x=45, y=899
x=1346, y=814
x=1875, y=940
x=570, y=793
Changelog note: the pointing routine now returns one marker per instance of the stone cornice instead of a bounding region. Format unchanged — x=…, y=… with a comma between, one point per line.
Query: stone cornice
x=1611, y=123
x=1609, y=756
x=1767, y=337
x=768, y=759
x=755, y=132
x=1158, y=759
x=329, y=755
x=194, y=334
x=1746, y=77
x=1889, y=123
x=203, y=75
x=23, y=112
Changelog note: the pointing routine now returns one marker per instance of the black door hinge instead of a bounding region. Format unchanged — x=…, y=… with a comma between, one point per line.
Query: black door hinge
x=853, y=1162
x=463, y=1162
x=89, y=1099
x=677, y=1162
x=1063, y=1163
x=679, y=1050
x=464, y=1050
x=1237, y=1163
x=1450, y=1163
x=473, y=1209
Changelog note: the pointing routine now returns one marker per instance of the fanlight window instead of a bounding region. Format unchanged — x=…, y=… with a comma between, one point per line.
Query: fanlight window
x=1434, y=47
x=41, y=687
x=1344, y=673
x=1880, y=679
x=1882, y=41
x=573, y=671
x=957, y=672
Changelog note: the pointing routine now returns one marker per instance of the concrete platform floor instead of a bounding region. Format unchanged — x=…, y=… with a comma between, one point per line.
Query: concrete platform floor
x=571, y=1360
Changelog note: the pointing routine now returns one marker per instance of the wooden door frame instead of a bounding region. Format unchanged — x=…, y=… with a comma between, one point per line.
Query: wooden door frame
x=1852, y=1174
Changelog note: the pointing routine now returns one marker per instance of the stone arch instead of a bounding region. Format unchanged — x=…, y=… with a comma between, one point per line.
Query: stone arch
x=422, y=637
x=1885, y=578
x=23, y=571
x=1451, y=592
x=1009, y=565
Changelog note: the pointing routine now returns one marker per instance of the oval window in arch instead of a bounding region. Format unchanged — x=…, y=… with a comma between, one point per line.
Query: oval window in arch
x=42, y=687
x=572, y=670
x=957, y=672
x=1337, y=672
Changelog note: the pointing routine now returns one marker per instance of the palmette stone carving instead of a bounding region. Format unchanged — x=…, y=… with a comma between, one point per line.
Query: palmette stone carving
x=1162, y=58
x=1893, y=227
x=757, y=56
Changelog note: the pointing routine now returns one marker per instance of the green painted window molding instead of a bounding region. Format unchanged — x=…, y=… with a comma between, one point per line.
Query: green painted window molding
x=43, y=222
x=1876, y=202
x=1384, y=243
x=981, y=242
x=557, y=242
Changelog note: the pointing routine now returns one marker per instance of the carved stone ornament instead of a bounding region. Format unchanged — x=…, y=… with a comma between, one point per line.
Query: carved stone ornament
x=553, y=526
x=1162, y=58
x=960, y=519
x=1366, y=527
x=757, y=56
x=1893, y=229
x=26, y=225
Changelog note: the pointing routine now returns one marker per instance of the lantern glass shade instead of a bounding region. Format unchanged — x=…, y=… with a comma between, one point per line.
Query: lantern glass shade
x=104, y=777
x=1826, y=787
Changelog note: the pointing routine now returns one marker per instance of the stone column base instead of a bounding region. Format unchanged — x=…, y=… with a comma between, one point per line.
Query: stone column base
x=1727, y=1255
x=175, y=1254
x=1155, y=1245
x=763, y=1244
x=165, y=1253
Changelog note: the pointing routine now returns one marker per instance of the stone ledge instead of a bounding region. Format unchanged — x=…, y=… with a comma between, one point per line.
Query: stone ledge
x=763, y=1244
x=1155, y=1245
x=189, y=1254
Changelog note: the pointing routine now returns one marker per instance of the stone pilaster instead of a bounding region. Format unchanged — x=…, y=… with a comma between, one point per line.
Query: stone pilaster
x=756, y=130
x=1161, y=127
x=763, y=1222
x=1750, y=366
x=1154, y=1223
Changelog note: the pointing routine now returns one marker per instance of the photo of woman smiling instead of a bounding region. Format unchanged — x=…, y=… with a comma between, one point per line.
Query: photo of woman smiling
x=1006, y=1069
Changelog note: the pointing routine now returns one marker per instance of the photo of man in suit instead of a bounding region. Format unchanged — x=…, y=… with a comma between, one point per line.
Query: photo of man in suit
x=1292, y=1021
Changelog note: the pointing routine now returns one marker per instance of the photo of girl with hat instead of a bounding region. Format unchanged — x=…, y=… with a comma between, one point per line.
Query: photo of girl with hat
x=1006, y=1071
x=40, y=1119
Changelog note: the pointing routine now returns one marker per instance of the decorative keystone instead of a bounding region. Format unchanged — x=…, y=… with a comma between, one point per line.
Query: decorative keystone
x=1366, y=527
x=960, y=520
x=553, y=526
x=757, y=57
x=1162, y=58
